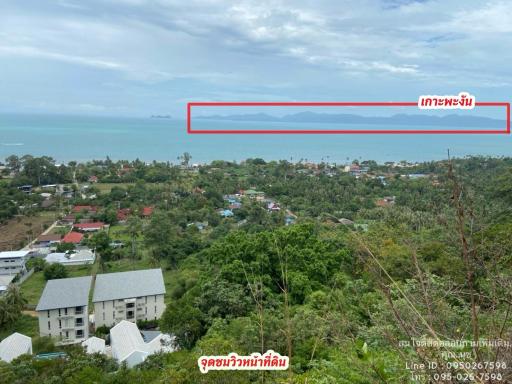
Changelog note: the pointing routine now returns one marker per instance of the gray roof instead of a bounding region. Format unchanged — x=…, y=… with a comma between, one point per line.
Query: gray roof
x=65, y=293
x=124, y=285
x=15, y=345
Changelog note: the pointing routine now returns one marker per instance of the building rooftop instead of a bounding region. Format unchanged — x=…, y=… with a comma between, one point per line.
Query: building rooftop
x=125, y=338
x=13, y=254
x=49, y=237
x=94, y=345
x=65, y=293
x=122, y=285
x=98, y=224
x=15, y=345
x=128, y=344
x=5, y=280
x=80, y=256
x=73, y=237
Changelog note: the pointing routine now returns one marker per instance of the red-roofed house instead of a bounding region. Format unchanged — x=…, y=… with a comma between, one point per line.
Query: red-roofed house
x=89, y=227
x=73, y=237
x=386, y=201
x=122, y=214
x=147, y=211
x=69, y=219
x=85, y=208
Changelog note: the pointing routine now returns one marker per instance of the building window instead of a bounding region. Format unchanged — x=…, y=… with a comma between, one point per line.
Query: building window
x=59, y=311
x=48, y=312
x=103, y=304
x=130, y=305
x=65, y=311
x=67, y=334
x=79, y=310
x=146, y=299
x=155, y=298
x=79, y=322
x=130, y=315
x=60, y=324
x=79, y=333
x=113, y=314
x=155, y=309
x=49, y=326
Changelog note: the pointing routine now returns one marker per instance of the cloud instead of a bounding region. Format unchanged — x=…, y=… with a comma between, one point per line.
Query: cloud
x=164, y=51
x=31, y=52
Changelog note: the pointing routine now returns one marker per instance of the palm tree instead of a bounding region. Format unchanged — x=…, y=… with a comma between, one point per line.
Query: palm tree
x=134, y=228
x=11, y=305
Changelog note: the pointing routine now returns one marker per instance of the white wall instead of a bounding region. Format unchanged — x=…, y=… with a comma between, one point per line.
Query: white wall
x=49, y=324
x=111, y=312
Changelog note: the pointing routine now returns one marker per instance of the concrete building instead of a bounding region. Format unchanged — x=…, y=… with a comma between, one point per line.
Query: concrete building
x=77, y=257
x=132, y=296
x=63, y=309
x=14, y=346
x=13, y=262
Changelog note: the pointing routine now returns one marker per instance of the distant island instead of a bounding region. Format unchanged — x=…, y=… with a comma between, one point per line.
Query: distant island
x=341, y=118
x=161, y=116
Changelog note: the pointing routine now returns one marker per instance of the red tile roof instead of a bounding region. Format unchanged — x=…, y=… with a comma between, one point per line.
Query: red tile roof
x=73, y=237
x=88, y=208
x=147, y=211
x=122, y=214
x=69, y=218
x=98, y=225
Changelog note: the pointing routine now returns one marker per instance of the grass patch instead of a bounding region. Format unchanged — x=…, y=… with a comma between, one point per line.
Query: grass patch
x=119, y=232
x=27, y=325
x=124, y=265
x=105, y=188
x=33, y=287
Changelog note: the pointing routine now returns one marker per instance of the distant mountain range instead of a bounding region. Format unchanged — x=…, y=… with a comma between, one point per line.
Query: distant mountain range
x=399, y=119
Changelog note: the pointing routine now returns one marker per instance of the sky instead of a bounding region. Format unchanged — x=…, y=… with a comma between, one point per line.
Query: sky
x=141, y=57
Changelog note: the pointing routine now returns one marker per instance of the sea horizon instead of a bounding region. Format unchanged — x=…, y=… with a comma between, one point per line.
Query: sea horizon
x=84, y=138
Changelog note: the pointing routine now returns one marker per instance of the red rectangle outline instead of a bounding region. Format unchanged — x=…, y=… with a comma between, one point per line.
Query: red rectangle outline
x=335, y=131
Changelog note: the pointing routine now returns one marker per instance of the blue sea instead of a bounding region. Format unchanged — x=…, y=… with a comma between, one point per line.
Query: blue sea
x=81, y=138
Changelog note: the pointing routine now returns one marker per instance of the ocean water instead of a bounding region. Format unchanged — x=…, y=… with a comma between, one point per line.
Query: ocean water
x=79, y=138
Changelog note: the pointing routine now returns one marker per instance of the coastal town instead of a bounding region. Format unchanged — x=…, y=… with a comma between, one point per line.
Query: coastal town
x=94, y=233
x=135, y=265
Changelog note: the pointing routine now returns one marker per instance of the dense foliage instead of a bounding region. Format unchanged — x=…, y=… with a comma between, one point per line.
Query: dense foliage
x=336, y=290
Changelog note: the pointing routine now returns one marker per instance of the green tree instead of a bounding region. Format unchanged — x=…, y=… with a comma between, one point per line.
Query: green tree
x=11, y=304
x=55, y=271
x=183, y=321
x=64, y=247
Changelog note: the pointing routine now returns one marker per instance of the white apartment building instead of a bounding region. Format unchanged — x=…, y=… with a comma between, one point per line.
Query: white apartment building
x=13, y=262
x=63, y=309
x=131, y=296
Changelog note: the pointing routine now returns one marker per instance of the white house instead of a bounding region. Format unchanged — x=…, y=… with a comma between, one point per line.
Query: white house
x=13, y=262
x=14, y=346
x=94, y=345
x=63, y=309
x=78, y=257
x=132, y=296
x=128, y=345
